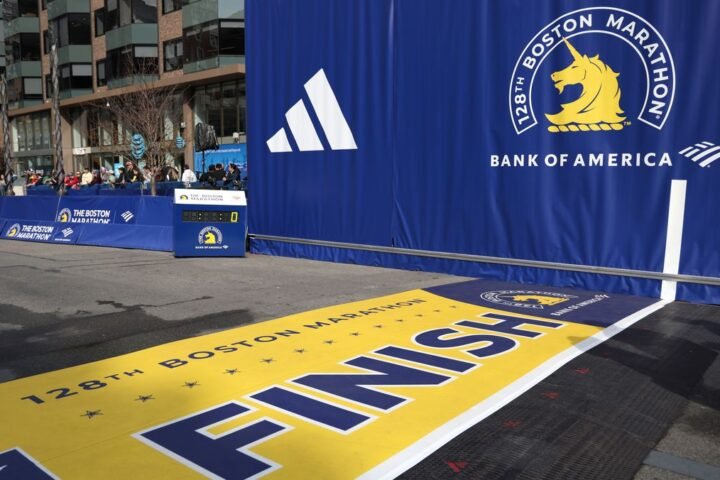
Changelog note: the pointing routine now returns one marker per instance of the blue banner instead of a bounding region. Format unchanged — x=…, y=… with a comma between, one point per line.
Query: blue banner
x=37, y=231
x=230, y=153
x=572, y=132
x=125, y=222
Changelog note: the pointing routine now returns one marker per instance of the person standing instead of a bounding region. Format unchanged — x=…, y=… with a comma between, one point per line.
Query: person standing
x=87, y=177
x=188, y=175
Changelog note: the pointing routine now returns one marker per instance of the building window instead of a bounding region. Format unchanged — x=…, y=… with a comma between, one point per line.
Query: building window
x=46, y=42
x=111, y=14
x=120, y=13
x=173, y=51
x=72, y=29
x=232, y=37
x=24, y=88
x=208, y=40
x=30, y=132
x=222, y=106
x=132, y=60
x=77, y=76
x=13, y=9
x=32, y=87
x=100, y=72
x=173, y=5
x=201, y=42
x=22, y=47
x=99, y=22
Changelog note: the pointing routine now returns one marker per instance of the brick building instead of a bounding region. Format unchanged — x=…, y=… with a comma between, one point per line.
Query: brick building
x=105, y=48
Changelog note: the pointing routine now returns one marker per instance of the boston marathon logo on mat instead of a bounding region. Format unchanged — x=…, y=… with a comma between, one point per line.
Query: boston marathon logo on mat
x=525, y=298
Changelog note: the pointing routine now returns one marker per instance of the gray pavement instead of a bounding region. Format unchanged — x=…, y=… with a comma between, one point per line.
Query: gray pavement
x=67, y=305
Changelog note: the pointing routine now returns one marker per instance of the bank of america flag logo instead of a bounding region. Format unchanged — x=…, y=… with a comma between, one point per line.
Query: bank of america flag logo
x=329, y=115
x=127, y=216
x=67, y=232
x=703, y=153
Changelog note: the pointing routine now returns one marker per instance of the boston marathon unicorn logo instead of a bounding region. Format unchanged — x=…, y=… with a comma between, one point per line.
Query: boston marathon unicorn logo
x=539, y=299
x=526, y=298
x=210, y=236
x=13, y=231
x=64, y=216
x=598, y=107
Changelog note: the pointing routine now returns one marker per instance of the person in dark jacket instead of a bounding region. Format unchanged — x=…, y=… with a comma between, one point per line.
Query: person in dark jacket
x=132, y=173
x=232, y=179
x=219, y=172
x=207, y=176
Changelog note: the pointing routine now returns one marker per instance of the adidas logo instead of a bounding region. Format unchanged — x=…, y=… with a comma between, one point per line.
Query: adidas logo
x=127, y=216
x=704, y=152
x=67, y=232
x=323, y=100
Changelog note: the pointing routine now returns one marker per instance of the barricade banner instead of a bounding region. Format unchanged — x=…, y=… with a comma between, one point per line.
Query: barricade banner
x=121, y=236
x=34, y=231
x=98, y=210
x=124, y=222
x=536, y=131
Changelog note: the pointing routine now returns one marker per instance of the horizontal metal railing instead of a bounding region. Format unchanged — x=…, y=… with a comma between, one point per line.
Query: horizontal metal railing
x=570, y=267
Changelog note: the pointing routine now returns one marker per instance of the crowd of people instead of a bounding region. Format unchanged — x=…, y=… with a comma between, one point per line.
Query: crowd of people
x=216, y=177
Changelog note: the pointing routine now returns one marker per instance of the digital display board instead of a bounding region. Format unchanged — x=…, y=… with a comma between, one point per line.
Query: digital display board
x=209, y=216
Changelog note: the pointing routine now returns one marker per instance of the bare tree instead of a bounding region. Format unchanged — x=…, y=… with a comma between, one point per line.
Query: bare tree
x=144, y=108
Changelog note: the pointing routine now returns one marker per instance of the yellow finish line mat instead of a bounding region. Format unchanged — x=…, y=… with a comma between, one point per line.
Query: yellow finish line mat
x=365, y=389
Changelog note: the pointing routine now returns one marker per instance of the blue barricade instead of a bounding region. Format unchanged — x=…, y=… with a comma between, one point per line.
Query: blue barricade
x=123, y=221
x=41, y=190
x=41, y=208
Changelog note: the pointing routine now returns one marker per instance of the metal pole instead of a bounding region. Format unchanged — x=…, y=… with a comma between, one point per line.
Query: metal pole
x=7, y=157
x=57, y=125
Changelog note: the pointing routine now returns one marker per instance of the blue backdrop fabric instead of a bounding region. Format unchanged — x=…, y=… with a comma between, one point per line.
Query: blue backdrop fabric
x=436, y=93
x=226, y=154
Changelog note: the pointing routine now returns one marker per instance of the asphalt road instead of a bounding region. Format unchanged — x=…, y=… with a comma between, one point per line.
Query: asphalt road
x=68, y=305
